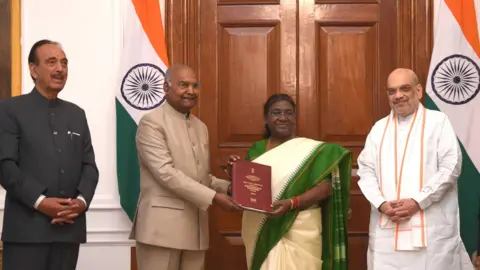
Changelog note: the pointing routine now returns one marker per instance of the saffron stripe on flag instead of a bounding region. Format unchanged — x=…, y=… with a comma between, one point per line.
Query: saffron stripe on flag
x=150, y=15
x=464, y=13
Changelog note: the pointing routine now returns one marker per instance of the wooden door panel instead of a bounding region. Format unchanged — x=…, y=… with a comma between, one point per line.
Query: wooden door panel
x=357, y=251
x=340, y=92
x=345, y=74
x=345, y=83
x=247, y=74
x=247, y=53
x=358, y=220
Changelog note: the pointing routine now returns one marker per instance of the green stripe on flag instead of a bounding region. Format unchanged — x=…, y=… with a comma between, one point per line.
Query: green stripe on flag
x=128, y=172
x=468, y=194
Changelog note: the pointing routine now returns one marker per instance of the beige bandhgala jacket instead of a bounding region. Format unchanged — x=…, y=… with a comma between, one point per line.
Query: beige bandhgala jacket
x=176, y=187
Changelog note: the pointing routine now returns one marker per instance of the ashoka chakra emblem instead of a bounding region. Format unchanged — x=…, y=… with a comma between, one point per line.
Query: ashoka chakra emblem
x=142, y=86
x=456, y=79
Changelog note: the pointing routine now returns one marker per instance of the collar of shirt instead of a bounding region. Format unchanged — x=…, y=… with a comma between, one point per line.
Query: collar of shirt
x=179, y=115
x=52, y=103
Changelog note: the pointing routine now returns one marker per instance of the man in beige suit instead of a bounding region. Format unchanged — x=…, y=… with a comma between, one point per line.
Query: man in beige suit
x=176, y=187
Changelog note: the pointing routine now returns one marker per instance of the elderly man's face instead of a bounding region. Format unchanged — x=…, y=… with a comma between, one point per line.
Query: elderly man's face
x=51, y=72
x=403, y=94
x=183, y=92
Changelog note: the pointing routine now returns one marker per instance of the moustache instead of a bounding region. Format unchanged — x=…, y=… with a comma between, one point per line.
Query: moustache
x=399, y=101
x=58, y=76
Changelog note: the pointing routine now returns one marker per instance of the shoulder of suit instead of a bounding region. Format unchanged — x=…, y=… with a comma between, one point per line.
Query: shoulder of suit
x=154, y=116
x=19, y=100
x=72, y=106
x=160, y=110
x=16, y=100
x=197, y=121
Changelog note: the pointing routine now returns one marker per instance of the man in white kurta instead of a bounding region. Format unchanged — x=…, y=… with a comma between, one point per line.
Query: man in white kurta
x=408, y=172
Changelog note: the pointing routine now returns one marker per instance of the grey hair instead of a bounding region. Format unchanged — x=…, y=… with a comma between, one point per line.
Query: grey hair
x=414, y=78
x=168, y=76
x=171, y=70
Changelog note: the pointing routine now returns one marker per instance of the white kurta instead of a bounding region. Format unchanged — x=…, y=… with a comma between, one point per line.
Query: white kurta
x=438, y=197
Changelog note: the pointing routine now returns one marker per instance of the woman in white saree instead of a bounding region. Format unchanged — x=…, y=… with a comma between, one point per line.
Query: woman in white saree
x=310, y=187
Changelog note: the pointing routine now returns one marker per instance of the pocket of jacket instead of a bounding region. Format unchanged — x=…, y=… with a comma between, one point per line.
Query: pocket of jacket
x=168, y=202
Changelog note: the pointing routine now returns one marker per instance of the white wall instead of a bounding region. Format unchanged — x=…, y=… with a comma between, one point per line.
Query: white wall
x=90, y=32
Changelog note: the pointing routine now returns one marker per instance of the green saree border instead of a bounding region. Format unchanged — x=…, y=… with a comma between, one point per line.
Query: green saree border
x=319, y=166
x=335, y=257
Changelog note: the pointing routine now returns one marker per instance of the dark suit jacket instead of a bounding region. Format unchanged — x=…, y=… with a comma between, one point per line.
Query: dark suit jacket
x=45, y=148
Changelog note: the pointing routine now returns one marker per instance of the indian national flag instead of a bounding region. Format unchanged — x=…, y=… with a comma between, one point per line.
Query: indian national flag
x=453, y=87
x=143, y=65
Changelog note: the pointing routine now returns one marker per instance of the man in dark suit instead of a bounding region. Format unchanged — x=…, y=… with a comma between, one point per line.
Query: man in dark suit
x=47, y=167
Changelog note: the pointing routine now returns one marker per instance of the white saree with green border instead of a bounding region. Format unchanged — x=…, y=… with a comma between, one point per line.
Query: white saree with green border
x=313, y=238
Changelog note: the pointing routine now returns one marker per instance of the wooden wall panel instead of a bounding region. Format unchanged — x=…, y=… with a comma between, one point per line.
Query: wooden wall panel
x=5, y=50
x=181, y=31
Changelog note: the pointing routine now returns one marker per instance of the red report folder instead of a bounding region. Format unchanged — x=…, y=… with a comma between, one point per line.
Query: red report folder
x=252, y=186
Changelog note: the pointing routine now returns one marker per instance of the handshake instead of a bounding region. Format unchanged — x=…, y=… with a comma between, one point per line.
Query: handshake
x=61, y=210
x=399, y=210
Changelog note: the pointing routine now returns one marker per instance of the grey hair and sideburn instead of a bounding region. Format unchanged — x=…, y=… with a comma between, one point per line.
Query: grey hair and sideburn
x=171, y=70
x=32, y=55
x=414, y=78
x=168, y=76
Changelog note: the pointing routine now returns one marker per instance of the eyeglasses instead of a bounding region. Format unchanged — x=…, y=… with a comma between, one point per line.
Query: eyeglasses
x=406, y=88
x=278, y=114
